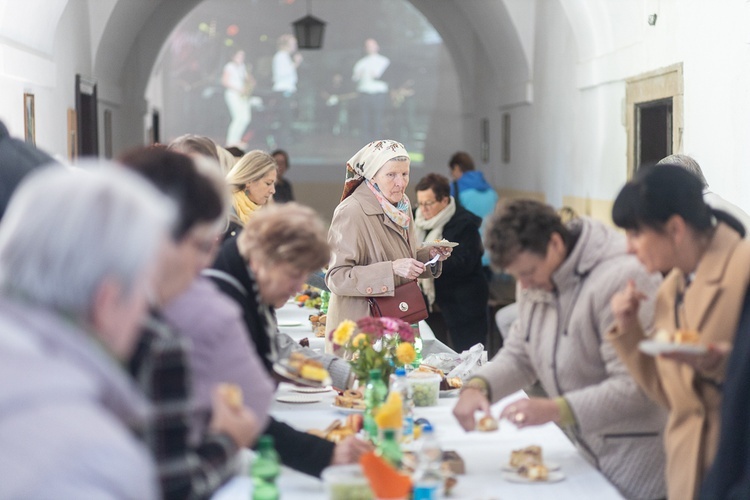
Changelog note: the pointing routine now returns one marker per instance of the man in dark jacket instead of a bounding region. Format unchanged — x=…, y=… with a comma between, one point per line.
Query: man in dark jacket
x=17, y=159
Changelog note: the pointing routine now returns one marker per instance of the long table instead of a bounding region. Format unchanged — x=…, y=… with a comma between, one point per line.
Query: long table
x=483, y=453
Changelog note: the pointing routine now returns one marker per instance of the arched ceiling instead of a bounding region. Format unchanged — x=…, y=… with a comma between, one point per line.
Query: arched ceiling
x=481, y=37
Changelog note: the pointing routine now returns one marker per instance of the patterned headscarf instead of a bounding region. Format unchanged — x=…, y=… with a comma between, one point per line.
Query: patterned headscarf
x=368, y=160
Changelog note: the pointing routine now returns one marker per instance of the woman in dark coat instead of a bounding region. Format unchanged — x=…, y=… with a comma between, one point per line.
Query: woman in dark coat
x=461, y=292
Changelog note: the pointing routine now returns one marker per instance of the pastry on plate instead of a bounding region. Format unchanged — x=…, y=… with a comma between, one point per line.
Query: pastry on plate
x=350, y=399
x=534, y=472
x=690, y=337
x=526, y=457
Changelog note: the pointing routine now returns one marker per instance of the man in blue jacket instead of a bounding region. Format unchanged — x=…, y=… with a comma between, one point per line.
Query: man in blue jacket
x=472, y=191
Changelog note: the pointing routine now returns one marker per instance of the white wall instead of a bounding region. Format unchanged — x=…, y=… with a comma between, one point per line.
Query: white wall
x=557, y=66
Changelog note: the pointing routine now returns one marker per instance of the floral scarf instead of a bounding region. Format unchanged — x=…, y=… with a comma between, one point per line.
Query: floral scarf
x=367, y=161
x=243, y=206
x=400, y=213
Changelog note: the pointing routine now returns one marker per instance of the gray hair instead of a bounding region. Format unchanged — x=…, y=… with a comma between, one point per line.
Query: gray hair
x=686, y=162
x=65, y=232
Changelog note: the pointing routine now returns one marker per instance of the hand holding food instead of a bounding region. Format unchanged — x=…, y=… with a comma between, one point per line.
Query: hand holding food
x=468, y=403
x=625, y=305
x=533, y=411
x=232, y=394
x=231, y=418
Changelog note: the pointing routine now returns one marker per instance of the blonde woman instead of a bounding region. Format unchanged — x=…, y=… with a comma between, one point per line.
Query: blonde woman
x=251, y=180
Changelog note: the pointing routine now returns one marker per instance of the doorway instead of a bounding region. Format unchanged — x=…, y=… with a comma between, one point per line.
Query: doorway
x=86, y=110
x=653, y=134
x=653, y=116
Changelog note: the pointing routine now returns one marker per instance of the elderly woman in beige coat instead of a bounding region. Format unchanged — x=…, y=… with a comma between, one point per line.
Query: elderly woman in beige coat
x=372, y=235
x=567, y=275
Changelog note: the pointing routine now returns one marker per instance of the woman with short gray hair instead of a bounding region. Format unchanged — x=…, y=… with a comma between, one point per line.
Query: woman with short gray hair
x=75, y=270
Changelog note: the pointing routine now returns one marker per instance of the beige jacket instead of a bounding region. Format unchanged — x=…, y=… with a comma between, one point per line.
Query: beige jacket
x=364, y=243
x=559, y=341
x=712, y=306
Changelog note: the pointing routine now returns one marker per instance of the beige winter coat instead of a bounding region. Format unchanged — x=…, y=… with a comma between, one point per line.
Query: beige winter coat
x=559, y=341
x=712, y=307
x=364, y=243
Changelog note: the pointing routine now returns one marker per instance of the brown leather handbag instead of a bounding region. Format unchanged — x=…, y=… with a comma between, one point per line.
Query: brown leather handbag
x=407, y=304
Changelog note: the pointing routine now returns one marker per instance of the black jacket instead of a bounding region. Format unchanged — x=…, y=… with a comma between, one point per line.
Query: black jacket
x=461, y=291
x=299, y=450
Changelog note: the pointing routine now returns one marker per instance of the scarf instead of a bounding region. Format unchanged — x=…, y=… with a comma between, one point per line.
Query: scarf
x=367, y=161
x=400, y=214
x=431, y=230
x=243, y=206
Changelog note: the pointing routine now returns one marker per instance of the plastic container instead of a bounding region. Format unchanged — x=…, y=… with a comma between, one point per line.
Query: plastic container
x=346, y=482
x=425, y=388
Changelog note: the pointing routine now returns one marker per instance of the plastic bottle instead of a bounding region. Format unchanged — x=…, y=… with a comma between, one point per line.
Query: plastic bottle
x=401, y=385
x=417, y=350
x=389, y=448
x=375, y=393
x=428, y=480
x=325, y=297
x=265, y=469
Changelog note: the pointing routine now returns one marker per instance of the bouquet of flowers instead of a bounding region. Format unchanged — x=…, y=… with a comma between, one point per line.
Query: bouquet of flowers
x=375, y=343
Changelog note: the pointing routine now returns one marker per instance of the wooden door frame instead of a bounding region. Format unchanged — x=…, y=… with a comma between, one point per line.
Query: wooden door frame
x=662, y=83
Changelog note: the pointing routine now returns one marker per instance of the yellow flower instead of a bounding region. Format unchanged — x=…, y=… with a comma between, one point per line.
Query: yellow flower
x=342, y=332
x=405, y=353
x=360, y=340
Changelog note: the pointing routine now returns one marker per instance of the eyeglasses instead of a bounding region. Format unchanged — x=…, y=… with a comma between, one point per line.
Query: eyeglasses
x=426, y=204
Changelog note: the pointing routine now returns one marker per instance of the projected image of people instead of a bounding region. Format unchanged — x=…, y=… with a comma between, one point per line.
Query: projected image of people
x=239, y=84
x=233, y=71
x=373, y=91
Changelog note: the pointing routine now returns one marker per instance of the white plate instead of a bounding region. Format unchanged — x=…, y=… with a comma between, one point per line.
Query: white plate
x=655, y=347
x=289, y=323
x=552, y=477
x=284, y=372
x=347, y=410
x=297, y=398
x=551, y=466
x=439, y=244
x=450, y=393
x=310, y=390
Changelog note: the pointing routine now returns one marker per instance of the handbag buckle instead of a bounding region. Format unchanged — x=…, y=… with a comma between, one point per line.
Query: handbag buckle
x=403, y=307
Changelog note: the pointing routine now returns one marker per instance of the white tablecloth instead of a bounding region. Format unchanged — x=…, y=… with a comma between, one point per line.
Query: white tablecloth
x=294, y=321
x=483, y=454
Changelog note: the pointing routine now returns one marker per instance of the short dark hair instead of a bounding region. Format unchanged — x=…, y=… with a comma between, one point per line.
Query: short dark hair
x=438, y=183
x=462, y=160
x=522, y=226
x=235, y=151
x=658, y=193
x=176, y=175
x=284, y=154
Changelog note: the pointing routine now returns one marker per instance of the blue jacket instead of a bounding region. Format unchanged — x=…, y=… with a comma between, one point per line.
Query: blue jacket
x=477, y=196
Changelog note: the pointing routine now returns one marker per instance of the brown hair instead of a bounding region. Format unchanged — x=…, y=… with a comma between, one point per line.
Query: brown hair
x=522, y=225
x=438, y=183
x=287, y=233
x=461, y=160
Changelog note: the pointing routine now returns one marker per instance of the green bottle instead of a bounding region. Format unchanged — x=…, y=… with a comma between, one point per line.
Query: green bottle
x=265, y=470
x=375, y=393
x=389, y=448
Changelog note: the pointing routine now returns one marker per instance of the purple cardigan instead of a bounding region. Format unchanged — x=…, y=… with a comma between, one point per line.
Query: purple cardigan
x=222, y=349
